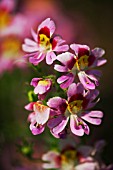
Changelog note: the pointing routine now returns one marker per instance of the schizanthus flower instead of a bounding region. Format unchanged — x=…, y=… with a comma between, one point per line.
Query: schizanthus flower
x=76, y=109
x=39, y=117
x=80, y=63
x=68, y=159
x=45, y=44
x=42, y=87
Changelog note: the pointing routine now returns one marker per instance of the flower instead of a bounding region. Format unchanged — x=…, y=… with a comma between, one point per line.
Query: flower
x=38, y=117
x=44, y=44
x=80, y=63
x=11, y=53
x=75, y=109
x=68, y=159
x=42, y=87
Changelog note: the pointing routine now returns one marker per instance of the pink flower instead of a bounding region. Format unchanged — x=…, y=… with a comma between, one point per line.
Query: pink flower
x=80, y=64
x=44, y=44
x=42, y=87
x=11, y=53
x=12, y=24
x=75, y=109
x=39, y=117
x=68, y=159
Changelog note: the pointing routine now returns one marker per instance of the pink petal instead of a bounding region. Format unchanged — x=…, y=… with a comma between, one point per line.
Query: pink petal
x=52, y=157
x=37, y=58
x=66, y=80
x=29, y=106
x=31, y=117
x=72, y=90
x=42, y=113
x=9, y=5
x=98, y=52
x=59, y=40
x=85, y=80
x=60, y=68
x=61, y=48
x=36, y=130
x=61, y=126
x=43, y=87
x=34, y=35
x=87, y=166
x=101, y=62
x=29, y=49
x=49, y=24
x=35, y=81
x=57, y=103
x=76, y=47
x=66, y=58
x=93, y=117
x=30, y=42
x=50, y=57
x=80, y=89
x=77, y=130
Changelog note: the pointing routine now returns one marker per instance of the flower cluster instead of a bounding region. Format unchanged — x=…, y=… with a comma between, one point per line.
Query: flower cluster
x=63, y=99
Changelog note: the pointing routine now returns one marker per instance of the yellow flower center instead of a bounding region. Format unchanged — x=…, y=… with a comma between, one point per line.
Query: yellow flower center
x=68, y=159
x=75, y=106
x=45, y=42
x=4, y=19
x=43, y=83
x=82, y=63
x=38, y=107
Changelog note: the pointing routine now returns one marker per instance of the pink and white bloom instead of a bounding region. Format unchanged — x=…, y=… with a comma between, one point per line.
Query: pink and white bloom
x=80, y=63
x=42, y=87
x=45, y=44
x=69, y=159
x=76, y=109
x=39, y=117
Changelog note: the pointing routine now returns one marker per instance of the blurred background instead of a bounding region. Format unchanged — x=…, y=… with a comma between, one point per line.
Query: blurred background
x=87, y=22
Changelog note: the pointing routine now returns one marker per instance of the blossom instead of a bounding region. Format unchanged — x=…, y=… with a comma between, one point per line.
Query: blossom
x=12, y=31
x=11, y=53
x=42, y=87
x=44, y=44
x=10, y=23
x=38, y=117
x=68, y=159
x=74, y=108
x=80, y=63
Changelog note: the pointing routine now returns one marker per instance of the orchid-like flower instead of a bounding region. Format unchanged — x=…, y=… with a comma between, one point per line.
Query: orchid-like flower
x=69, y=159
x=39, y=117
x=76, y=109
x=80, y=63
x=42, y=87
x=45, y=44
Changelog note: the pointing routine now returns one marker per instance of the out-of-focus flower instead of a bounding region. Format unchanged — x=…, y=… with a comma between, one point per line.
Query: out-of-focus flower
x=12, y=23
x=42, y=87
x=45, y=45
x=11, y=53
x=39, y=117
x=80, y=64
x=69, y=159
x=13, y=28
x=83, y=157
x=75, y=109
